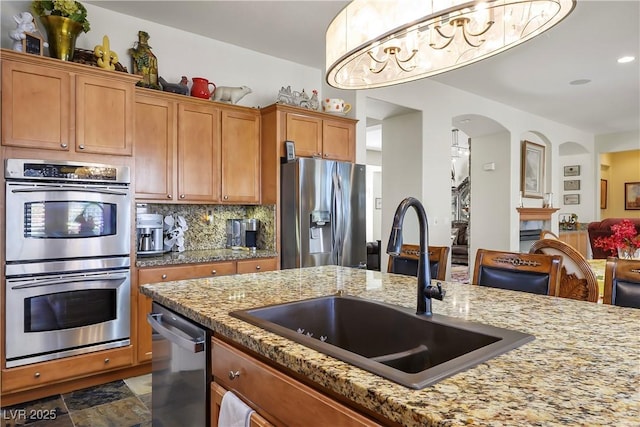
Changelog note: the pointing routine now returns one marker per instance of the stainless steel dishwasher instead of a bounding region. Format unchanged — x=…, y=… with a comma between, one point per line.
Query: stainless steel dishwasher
x=180, y=370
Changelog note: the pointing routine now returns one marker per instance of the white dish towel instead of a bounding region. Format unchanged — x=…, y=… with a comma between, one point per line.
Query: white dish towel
x=234, y=412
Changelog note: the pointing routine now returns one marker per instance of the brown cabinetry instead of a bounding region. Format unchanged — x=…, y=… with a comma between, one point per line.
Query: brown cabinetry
x=217, y=393
x=62, y=106
x=277, y=397
x=195, y=151
x=257, y=265
x=579, y=240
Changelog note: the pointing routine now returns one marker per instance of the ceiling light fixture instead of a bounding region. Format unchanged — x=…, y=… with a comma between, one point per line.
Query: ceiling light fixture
x=375, y=43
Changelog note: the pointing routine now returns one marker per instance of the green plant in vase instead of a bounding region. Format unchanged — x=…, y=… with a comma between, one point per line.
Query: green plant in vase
x=63, y=21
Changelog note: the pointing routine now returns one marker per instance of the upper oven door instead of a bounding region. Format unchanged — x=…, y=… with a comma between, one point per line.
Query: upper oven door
x=55, y=221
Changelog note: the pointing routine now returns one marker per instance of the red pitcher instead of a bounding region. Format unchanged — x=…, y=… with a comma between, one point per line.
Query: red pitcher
x=200, y=88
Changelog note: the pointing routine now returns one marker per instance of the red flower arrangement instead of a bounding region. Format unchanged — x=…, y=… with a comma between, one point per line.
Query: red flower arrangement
x=625, y=238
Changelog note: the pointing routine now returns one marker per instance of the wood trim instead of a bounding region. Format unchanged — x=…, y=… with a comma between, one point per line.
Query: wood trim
x=536, y=214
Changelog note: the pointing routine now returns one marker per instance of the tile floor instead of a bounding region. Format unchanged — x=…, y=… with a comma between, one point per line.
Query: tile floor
x=123, y=403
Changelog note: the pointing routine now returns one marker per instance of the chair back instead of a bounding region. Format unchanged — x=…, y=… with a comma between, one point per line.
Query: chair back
x=622, y=282
x=534, y=273
x=407, y=262
x=546, y=234
x=577, y=279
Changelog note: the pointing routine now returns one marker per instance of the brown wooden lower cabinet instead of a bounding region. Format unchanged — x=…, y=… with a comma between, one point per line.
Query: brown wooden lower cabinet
x=217, y=392
x=277, y=397
x=579, y=240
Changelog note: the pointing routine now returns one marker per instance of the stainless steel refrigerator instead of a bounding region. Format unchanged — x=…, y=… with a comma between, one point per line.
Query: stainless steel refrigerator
x=323, y=213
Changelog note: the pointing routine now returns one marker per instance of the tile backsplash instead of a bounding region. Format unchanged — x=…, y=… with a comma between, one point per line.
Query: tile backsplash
x=202, y=235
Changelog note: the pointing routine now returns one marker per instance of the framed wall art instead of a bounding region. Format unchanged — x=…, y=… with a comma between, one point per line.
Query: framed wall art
x=32, y=43
x=631, y=196
x=571, y=199
x=572, y=170
x=572, y=185
x=532, y=170
x=603, y=194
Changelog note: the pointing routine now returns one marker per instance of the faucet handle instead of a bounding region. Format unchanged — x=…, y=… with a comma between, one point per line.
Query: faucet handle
x=437, y=292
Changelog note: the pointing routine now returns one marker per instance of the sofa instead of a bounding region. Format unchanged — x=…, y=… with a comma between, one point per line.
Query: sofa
x=460, y=242
x=603, y=229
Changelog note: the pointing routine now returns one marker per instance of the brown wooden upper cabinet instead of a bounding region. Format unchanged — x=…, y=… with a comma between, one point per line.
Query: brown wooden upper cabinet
x=39, y=110
x=195, y=151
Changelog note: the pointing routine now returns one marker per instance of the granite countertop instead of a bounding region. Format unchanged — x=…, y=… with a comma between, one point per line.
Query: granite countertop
x=583, y=368
x=200, y=256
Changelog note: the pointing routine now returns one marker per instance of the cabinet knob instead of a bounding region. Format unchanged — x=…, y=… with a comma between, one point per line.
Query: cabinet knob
x=164, y=276
x=234, y=375
x=81, y=146
x=106, y=360
x=36, y=375
x=257, y=267
x=64, y=145
x=326, y=155
x=213, y=272
x=169, y=196
x=182, y=196
x=226, y=197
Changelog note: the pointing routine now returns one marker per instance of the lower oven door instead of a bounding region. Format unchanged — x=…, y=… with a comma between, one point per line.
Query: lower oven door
x=54, y=316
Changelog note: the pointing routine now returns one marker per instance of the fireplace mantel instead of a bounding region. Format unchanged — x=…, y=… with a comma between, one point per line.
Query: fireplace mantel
x=536, y=214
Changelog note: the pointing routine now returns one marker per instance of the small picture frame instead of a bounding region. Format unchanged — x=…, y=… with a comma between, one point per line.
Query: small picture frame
x=32, y=44
x=631, y=196
x=378, y=203
x=571, y=199
x=290, y=150
x=572, y=170
x=603, y=194
x=532, y=170
x=572, y=185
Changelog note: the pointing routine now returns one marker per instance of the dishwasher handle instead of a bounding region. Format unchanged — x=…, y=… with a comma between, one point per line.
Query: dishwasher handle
x=194, y=345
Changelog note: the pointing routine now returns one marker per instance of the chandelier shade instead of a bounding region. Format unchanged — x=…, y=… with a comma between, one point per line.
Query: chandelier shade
x=376, y=43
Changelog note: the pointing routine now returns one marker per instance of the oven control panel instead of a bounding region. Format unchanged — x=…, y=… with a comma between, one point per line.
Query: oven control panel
x=65, y=171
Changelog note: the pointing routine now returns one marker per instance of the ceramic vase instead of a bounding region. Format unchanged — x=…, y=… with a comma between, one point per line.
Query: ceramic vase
x=629, y=253
x=61, y=36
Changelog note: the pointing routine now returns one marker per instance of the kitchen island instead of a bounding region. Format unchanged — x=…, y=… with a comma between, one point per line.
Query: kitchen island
x=583, y=368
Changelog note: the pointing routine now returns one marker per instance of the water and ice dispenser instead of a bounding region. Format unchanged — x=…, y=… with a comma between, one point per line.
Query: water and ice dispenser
x=320, y=232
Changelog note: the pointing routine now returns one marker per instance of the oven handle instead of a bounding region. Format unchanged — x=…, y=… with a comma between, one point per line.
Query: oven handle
x=194, y=345
x=75, y=189
x=48, y=282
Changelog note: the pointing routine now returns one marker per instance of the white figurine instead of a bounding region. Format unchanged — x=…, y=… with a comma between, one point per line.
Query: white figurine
x=24, y=21
x=230, y=94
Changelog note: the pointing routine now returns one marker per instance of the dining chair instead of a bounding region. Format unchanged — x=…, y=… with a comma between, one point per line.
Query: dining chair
x=622, y=282
x=534, y=273
x=407, y=262
x=577, y=279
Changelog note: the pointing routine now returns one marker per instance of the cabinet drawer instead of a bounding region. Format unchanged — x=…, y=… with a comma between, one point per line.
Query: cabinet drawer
x=281, y=399
x=257, y=265
x=217, y=392
x=184, y=272
x=37, y=374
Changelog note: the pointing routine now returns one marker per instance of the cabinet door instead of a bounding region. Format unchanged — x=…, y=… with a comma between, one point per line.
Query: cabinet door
x=155, y=148
x=306, y=132
x=240, y=157
x=104, y=116
x=36, y=107
x=338, y=140
x=185, y=272
x=198, y=153
x=217, y=393
x=257, y=265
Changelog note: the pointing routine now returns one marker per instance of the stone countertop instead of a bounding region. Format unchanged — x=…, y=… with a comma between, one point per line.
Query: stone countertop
x=583, y=368
x=201, y=256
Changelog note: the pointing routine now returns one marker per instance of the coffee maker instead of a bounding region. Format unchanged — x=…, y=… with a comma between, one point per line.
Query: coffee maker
x=242, y=233
x=150, y=235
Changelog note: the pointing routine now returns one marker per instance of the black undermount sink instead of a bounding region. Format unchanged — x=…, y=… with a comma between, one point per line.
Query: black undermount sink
x=390, y=341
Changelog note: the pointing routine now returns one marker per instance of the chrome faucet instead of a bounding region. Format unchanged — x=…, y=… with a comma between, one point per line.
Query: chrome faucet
x=426, y=290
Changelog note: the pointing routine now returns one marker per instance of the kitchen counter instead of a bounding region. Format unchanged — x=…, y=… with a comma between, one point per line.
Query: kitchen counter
x=583, y=368
x=210, y=255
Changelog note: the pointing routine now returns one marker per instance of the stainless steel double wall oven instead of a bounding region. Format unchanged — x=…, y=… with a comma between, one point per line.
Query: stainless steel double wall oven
x=67, y=277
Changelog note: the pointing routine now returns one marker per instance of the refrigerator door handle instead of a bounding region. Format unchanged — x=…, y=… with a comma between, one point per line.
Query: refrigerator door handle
x=338, y=214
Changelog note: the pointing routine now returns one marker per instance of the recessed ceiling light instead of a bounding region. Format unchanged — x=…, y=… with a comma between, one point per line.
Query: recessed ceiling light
x=580, y=82
x=625, y=59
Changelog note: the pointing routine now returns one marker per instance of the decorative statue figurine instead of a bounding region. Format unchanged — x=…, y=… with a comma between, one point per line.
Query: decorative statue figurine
x=230, y=94
x=180, y=88
x=145, y=63
x=107, y=58
x=25, y=24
